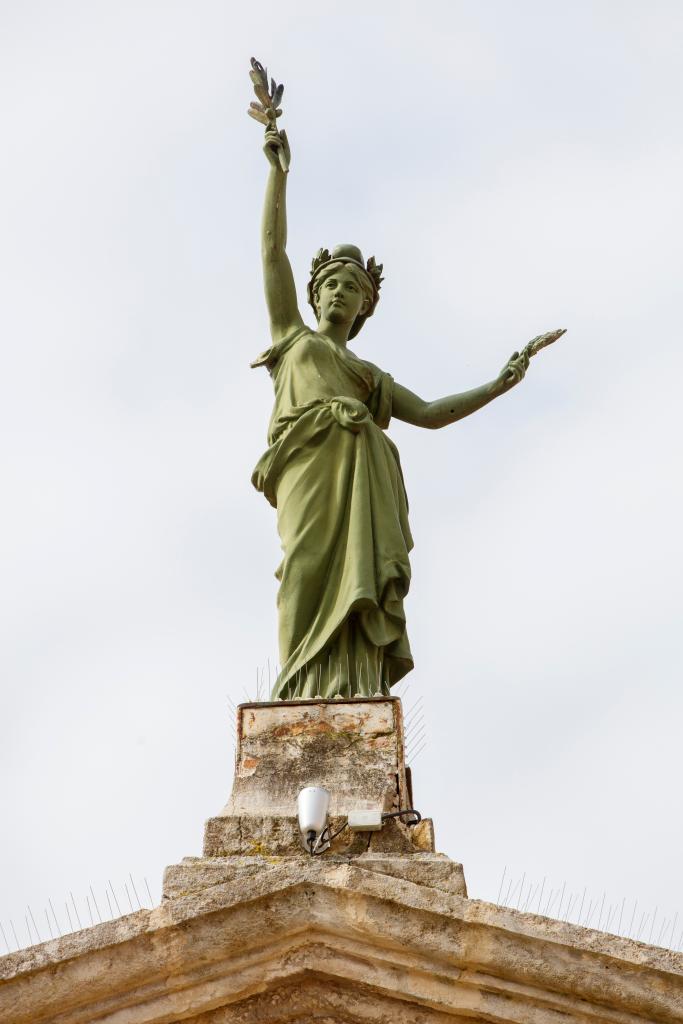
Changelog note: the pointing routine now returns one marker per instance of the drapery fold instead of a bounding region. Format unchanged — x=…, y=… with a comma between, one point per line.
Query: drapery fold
x=335, y=479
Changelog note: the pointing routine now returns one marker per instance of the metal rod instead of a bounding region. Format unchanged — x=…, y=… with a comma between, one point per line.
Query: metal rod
x=512, y=895
x=633, y=916
x=531, y=898
x=661, y=930
x=643, y=919
x=673, y=929
x=581, y=907
x=414, y=756
x=75, y=909
x=559, y=906
x=416, y=718
x=569, y=906
x=57, y=924
x=602, y=907
x=541, y=895
x=500, y=887
x=34, y=924
x=132, y=910
x=414, y=740
x=135, y=891
x=608, y=919
x=545, y=912
x=95, y=902
x=115, y=899
x=521, y=888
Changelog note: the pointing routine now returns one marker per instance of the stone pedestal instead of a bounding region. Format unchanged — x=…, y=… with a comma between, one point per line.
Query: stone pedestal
x=355, y=749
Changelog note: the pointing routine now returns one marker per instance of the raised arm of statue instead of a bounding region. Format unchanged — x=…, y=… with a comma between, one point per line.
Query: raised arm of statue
x=278, y=278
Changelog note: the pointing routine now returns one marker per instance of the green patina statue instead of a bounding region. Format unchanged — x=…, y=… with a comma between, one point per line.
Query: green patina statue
x=330, y=470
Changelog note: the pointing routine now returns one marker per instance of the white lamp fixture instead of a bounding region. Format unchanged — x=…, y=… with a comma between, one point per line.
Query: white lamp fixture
x=312, y=804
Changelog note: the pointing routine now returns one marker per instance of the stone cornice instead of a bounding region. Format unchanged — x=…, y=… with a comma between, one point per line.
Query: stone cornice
x=433, y=953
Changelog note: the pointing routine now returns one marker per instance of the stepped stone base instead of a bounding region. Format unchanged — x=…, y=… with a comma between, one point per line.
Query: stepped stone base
x=376, y=930
x=354, y=748
x=433, y=870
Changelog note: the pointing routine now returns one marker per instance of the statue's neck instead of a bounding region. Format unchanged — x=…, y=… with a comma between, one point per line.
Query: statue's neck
x=338, y=333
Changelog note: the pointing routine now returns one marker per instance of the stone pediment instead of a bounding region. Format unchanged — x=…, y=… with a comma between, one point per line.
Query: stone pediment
x=368, y=946
x=376, y=929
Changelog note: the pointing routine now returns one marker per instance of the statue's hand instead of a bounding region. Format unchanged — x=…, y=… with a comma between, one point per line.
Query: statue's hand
x=276, y=142
x=513, y=371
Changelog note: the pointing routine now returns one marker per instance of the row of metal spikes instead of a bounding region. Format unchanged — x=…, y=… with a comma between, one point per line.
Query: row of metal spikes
x=414, y=726
x=614, y=918
x=58, y=922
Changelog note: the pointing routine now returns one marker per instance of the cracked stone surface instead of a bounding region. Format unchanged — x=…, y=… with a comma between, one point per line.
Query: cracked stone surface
x=355, y=748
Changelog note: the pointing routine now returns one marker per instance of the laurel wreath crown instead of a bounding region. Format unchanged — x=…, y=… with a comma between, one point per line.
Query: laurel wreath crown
x=372, y=268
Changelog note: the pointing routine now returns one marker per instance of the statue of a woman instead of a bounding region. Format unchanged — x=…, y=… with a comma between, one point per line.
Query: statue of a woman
x=333, y=474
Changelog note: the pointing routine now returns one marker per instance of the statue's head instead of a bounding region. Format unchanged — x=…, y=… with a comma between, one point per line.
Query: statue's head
x=346, y=262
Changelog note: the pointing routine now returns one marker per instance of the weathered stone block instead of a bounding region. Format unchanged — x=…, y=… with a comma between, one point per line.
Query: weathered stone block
x=354, y=748
x=193, y=874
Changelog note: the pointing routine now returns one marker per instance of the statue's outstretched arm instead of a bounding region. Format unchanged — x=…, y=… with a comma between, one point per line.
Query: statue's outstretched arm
x=277, y=271
x=412, y=409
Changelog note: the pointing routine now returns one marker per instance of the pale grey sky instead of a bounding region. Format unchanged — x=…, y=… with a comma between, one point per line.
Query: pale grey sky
x=517, y=168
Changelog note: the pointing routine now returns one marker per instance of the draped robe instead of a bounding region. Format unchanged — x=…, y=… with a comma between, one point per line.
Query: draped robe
x=335, y=479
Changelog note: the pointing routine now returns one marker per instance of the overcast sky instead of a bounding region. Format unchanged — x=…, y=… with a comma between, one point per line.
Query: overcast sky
x=517, y=167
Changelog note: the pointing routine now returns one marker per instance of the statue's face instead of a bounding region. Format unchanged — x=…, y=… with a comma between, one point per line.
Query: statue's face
x=341, y=297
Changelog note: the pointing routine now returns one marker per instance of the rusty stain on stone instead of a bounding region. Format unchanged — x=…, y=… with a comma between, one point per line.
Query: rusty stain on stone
x=353, y=748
